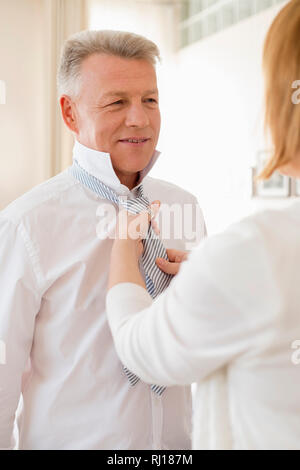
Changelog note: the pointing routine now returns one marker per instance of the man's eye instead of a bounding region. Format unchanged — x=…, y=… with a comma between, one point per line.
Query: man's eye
x=118, y=102
x=152, y=100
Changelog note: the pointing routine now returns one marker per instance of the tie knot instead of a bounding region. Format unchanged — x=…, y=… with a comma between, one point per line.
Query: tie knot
x=136, y=203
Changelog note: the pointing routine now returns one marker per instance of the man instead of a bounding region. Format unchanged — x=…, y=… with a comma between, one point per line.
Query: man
x=54, y=266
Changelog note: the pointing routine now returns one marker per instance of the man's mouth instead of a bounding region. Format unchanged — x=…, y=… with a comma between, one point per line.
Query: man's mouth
x=135, y=141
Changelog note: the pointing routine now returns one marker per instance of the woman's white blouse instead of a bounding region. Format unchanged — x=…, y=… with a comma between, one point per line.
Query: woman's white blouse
x=229, y=321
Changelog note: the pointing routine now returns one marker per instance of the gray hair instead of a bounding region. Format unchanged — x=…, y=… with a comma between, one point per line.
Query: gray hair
x=85, y=43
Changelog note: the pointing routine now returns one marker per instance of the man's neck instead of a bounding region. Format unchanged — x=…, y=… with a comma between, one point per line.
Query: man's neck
x=128, y=180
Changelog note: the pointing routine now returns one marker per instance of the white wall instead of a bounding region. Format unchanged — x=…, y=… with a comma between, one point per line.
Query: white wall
x=21, y=119
x=34, y=144
x=153, y=20
x=212, y=120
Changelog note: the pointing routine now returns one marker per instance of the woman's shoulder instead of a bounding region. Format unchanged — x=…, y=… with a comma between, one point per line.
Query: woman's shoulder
x=277, y=226
x=264, y=241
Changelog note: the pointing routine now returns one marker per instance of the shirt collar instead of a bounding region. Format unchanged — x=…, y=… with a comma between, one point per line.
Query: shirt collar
x=99, y=165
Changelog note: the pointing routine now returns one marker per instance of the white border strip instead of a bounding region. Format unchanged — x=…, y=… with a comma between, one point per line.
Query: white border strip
x=2, y=92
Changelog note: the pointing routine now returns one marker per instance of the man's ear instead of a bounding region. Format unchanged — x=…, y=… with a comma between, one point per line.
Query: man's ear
x=68, y=113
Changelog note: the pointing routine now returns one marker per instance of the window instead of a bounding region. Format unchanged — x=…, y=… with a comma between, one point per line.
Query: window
x=202, y=18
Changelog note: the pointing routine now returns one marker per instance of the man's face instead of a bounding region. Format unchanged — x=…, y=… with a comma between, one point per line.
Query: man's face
x=119, y=101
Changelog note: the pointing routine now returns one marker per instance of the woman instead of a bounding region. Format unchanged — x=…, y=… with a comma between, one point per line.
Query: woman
x=230, y=319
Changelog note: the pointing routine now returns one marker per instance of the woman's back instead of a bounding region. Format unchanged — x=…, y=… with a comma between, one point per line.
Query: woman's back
x=254, y=402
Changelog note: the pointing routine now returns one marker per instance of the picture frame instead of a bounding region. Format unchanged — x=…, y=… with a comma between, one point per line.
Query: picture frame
x=278, y=186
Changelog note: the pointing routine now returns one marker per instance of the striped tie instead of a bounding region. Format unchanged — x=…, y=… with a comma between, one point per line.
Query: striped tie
x=156, y=280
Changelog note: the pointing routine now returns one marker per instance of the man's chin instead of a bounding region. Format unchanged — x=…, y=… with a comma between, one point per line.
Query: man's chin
x=129, y=171
x=133, y=164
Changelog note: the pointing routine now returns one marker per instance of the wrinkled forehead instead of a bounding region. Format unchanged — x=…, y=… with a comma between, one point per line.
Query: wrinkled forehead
x=110, y=74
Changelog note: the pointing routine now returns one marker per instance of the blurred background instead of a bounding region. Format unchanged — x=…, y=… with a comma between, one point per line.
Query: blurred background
x=211, y=95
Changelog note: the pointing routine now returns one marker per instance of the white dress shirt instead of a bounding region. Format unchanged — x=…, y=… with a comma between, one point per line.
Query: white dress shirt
x=53, y=278
x=229, y=321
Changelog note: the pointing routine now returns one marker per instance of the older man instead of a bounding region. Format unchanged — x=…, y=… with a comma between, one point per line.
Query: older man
x=54, y=265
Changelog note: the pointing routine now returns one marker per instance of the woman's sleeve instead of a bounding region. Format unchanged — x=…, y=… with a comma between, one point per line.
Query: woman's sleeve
x=214, y=310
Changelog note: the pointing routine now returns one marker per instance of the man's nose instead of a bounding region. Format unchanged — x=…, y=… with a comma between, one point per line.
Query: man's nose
x=137, y=116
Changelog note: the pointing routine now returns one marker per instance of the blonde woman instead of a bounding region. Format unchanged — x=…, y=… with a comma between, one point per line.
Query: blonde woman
x=230, y=320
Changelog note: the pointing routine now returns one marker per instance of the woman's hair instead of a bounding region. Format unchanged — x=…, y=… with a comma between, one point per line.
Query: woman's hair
x=85, y=43
x=281, y=64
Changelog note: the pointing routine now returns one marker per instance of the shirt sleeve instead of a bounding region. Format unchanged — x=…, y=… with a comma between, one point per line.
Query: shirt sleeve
x=215, y=310
x=19, y=304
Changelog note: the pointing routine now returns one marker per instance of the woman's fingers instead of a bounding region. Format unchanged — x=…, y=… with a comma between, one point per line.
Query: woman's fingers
x=147, y=218
x=155, y=227
x=177, y=256
x=172, y=266
x=154, y=206
x=167, y=267
x=135, y=226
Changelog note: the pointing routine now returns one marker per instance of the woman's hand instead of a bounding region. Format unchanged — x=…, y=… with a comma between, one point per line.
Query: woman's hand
x=134, y=228
x=128, y=247
x=176, y=257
